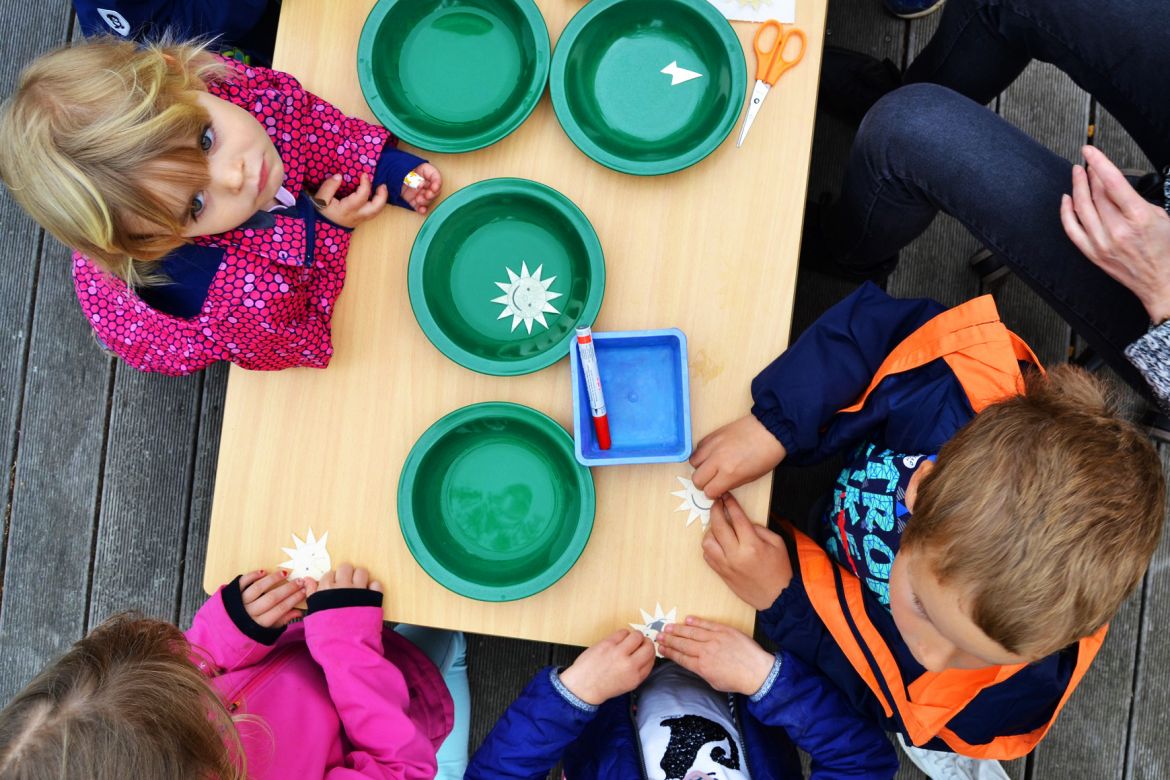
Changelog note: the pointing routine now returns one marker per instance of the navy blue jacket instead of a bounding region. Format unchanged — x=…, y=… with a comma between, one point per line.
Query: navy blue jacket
x=248, y=25
x=547, y=724
x=797, y=398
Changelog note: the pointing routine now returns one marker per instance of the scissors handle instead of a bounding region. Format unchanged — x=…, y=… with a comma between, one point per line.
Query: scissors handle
x=770, y=62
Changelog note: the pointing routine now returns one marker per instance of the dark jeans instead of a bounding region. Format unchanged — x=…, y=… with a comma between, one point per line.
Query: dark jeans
x=933, y=146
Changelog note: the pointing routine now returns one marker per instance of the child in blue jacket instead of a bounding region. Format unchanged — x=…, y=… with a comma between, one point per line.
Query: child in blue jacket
x=721, y=708
x=987, y=523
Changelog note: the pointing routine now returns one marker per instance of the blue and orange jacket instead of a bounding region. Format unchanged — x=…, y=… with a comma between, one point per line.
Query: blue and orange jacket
x=907, y=374
x=544, y=726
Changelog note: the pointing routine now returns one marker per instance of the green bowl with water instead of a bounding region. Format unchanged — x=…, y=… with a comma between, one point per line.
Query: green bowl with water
x=501, y=273
x=453, y=75
x=492, y=503
x=648, y=86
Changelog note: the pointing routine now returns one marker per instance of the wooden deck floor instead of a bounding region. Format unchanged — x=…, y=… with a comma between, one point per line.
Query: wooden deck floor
x=111, y=472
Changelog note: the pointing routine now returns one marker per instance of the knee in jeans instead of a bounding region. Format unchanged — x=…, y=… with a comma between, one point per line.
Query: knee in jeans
x=914, y=119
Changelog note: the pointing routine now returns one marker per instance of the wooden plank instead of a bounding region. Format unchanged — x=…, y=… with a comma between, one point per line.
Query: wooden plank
x=202, y=489
x=57, y=481
x=1148, y=757
x=27, y=30
x=145, y=497
x=498, y=669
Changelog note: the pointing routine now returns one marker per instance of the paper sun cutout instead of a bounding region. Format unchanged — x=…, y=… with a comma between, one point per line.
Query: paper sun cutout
x=526, y=297
x=309, y=558
x=679, y=75
x=694, y=501
x=652, y=625
x=754, y=3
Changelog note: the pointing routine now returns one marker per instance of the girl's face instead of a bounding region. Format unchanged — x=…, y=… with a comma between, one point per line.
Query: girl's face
x=245, y=169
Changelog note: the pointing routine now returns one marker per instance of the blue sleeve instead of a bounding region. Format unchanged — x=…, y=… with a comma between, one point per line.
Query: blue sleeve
x=818, y=718
x=247, y=24
x=392, y=168
x=530, y=737
x=831, y=365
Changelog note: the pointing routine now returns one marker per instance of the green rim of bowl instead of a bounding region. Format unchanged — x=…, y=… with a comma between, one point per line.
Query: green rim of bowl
x=580, y=137
x=581, y=310
x=437, y=142
x=557, y=445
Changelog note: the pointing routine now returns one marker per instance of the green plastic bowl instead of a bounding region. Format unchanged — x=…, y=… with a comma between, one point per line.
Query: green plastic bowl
x=453, y=75
x=616, y=104
x=474, y=268
x=492, y=503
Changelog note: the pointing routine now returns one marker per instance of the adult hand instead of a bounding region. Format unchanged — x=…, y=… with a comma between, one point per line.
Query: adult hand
x=1116, y=228
x=271, y=599
x=617, y=664
x=727, y=659
x=734, y=455
x=752, y=560
x=420, y=198
x=344, y=576
x=356, y=207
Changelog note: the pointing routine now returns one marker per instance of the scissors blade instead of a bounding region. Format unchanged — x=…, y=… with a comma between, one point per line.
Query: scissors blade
x=758, y=94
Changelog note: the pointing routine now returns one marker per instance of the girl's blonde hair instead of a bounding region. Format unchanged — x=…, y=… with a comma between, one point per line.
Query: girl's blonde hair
x=100, y=145
x=124, y=702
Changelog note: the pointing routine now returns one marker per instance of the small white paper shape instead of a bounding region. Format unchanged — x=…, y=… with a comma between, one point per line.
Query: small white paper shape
x=694, y=501
x=652, y=625
x=783, y=11
x=526, y=297
x=413, y=180
x=308, y=558
x=679, y=75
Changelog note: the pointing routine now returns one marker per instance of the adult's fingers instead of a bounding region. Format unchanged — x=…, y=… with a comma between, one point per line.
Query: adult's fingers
x=1117, y=187
x=1110, y=213
x=1085, y=208
x=1073, y=228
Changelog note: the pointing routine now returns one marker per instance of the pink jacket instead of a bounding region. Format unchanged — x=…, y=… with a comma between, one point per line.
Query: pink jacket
x=271, y=302
x=336, y=695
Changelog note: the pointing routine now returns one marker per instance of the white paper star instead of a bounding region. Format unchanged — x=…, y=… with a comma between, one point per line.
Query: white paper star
x=308, y=558
x=526, y=297
x=652, y=625
x=679, y=75
x=695, y=501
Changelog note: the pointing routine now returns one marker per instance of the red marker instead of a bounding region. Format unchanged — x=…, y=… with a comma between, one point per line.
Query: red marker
x=593, y=385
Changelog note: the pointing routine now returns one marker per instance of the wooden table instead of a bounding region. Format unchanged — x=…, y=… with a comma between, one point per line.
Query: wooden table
x=711, y=250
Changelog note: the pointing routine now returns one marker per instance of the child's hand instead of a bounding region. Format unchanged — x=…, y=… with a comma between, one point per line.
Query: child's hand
x=752, y=560
x=356, y=207
x=271, y=599
x=420, y=199
x=728, y=660
x=344, y=576
x=617, y=664
x=734, y=455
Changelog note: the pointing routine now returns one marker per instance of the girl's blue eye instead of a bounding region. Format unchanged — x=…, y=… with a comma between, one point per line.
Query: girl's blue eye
x=207, y=140
x=196, y=205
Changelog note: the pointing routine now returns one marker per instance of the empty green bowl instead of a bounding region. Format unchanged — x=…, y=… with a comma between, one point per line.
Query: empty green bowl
x=453, y=75
x=501, y=273
x=492, y=503
x=624, y=89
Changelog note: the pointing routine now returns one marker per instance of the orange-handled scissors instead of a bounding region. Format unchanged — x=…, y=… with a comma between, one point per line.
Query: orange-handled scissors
x=770, y=66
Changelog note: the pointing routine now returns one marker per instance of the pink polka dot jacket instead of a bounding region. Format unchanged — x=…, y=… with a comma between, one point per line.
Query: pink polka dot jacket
x=271, y=296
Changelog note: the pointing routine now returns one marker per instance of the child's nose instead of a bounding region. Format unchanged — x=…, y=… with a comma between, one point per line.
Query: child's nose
x=230, y=174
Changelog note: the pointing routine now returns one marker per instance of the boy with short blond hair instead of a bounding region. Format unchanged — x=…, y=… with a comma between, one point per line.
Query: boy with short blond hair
x=987, y=524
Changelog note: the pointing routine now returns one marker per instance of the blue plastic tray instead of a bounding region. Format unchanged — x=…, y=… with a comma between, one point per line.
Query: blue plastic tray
x=647, y=397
